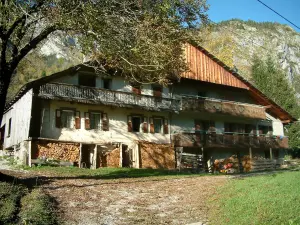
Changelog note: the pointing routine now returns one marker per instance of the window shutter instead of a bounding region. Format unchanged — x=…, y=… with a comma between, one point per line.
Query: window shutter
x=58, y=118
x=77, y=120
x=151, y=125
x=87, y=120
x=166, y=126
x=105, y=122
x=145, y=125
x=198, y=125
x=129, y=122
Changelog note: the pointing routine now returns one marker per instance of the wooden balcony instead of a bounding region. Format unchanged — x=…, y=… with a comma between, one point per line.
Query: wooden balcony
x=91, y=95
x=222, y=106
x=214, y=140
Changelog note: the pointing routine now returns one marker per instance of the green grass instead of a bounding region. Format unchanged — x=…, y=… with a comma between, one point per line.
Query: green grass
x=19, y=206
x=268, y=199
x=10, y=196
x=110, y=173
x=37, y=208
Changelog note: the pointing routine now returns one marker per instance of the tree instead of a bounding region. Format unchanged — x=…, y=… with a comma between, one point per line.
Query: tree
x=142, y=38
x=271, y=80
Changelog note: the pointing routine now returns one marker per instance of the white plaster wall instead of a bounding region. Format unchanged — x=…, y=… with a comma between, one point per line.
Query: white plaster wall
x=68, y=79
x=117, y=125
x=20, y=115
x=277, y=125
x=185, y=121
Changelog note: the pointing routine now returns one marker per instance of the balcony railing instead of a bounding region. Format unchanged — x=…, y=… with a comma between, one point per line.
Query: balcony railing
x=193, y=103
x=106, y=97
x=228, y=140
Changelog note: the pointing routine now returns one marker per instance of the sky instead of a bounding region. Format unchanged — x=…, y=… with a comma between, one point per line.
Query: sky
x=253, y=10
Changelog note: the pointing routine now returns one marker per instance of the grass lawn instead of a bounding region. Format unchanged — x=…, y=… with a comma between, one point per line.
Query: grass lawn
x=20, y=206
x=110, y=173
x=268, y=199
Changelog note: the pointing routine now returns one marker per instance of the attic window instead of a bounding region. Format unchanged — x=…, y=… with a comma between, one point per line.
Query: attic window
x=107, y=84
x=87, y=80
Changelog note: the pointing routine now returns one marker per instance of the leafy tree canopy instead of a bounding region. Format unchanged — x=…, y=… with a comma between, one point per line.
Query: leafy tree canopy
x=141, y=37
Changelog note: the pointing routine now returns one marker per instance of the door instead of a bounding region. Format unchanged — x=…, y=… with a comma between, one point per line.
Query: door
x=126, y=156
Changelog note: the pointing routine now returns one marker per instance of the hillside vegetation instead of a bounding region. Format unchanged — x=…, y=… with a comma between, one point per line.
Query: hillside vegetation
x=236, y=42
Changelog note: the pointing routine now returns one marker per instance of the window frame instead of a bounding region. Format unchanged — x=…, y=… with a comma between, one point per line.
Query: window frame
x=74, y=117
x=109, y=83
x=161, y=126
x=136, y=116
x=80, y=75
x=95, y=112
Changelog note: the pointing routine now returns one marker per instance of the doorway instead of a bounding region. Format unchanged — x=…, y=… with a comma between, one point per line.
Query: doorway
x=87, y=156
x=126, y=156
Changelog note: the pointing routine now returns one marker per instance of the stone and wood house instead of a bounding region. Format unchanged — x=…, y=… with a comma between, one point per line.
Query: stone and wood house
x=101, y=120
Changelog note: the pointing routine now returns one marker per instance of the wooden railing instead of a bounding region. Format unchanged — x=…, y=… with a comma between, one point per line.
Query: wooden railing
x=201, y=104
x=106, y=97
x=228, y=140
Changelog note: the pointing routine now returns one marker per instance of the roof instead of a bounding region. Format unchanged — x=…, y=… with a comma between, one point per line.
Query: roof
x=204, y=66
x=215, y=72
x=40, y=81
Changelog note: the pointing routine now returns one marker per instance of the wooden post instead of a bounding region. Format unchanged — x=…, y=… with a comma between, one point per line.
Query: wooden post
x=250, y=153
x=121, y=155
x=95, y=157
x=271, y=154
x=179, y=151
x=80, y=154
x=29, y=153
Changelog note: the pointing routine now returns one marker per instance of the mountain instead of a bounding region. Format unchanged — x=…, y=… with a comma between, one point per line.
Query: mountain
x=236, y=42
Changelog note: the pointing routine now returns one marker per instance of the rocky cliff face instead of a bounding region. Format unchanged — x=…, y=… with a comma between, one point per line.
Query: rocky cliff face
x=236, y=41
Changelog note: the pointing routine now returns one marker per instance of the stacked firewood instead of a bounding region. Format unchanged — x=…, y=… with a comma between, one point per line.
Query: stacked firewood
x=227, y=165
x=59, y=151
x=246, y=162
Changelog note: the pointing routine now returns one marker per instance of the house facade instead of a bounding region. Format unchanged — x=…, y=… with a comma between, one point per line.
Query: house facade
x=97, y=120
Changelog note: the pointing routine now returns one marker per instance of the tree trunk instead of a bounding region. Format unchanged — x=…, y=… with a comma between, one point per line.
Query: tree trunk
x=5, y=77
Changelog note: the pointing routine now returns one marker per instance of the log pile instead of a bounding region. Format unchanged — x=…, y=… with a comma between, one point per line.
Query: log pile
x=227, y=165
x=156, y=155
x=246, y=162
x=110, y=158
x=58, y=151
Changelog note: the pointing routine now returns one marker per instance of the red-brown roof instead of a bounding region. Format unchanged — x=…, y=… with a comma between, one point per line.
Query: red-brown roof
x=204, y=66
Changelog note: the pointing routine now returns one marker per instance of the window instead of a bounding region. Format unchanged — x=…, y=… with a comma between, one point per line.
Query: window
x=157, y=125
x=202, y=94
x=136, y=122
x=136, y=88
x=157, y=91
x=107, y=84
x=265, y=130
x=9, y=128
x=87, y=80
x=95, y=120
x=67, y=118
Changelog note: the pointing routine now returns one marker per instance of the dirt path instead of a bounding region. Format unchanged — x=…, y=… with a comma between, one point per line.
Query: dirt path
x=134, y=201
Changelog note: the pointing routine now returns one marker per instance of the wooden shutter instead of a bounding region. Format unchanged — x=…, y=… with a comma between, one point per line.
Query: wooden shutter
x=151, y=125
x=58, y=118
x=105, y=122
x=166, y=126
x=137, y=90
x=198, y=125
x=77, y=120
x=87, y=120
x=145, y=125
x=129, y=123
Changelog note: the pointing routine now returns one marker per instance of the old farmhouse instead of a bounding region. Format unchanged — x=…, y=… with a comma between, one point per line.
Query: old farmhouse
x=100, y=120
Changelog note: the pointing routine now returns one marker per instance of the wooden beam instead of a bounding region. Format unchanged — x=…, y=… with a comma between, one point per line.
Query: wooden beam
x=250, y=153
x=271, y=154
x=268, y=106
x=80, y=154
x=286, y=121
